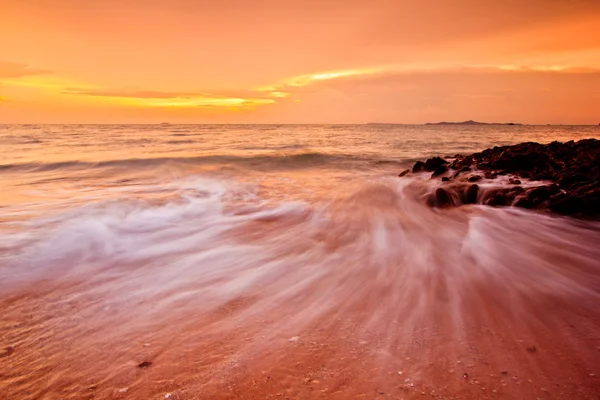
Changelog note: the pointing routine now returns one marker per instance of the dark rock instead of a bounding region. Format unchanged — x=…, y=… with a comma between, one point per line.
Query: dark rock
x=7, y=351
x=573, y=167
x=401, y=174
x=145, y=364
x=471, y=194
x=540, y=194
x=445, y=179
x=501, y=197
x=490, y=175
x=474, y=178
x=418, y=167
x=442, y=198
x=439, y=171
x=523, y=202
x=434, y=163
x=531, y=349
x=496, y=198
x=568, y=205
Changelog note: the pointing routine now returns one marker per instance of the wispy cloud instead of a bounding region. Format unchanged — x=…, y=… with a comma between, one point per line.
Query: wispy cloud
x=132, y=94
x=9, y=70
x=151, y=98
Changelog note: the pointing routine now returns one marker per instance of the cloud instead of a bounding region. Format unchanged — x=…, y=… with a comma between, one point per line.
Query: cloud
x=10, y=70
x=528, y=94
x=133, y=94
x=151, y=98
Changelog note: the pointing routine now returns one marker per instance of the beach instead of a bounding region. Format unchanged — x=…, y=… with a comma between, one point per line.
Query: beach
x=285, y=262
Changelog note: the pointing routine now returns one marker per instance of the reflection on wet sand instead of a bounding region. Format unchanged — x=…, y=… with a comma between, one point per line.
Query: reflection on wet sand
x=218, y=294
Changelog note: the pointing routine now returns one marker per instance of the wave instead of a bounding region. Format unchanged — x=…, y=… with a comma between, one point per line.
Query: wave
x=390, y=216
x=281, y=160
x=374, y=273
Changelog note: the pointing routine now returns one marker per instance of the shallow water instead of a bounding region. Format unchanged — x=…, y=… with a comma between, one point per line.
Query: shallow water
x=284, y=262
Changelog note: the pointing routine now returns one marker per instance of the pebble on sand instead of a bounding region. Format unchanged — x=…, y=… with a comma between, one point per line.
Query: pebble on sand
x=145, y=364
x=8, y=351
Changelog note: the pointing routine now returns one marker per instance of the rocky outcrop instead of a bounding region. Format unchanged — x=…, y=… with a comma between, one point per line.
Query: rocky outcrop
x=568, y=175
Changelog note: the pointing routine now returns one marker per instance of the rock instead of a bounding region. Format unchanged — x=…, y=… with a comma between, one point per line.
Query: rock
x=445, y=179
x=490, y=175
x=441, y=198
x=418, y=167
x=540, y=194
x=401, y=174
x=531, y=349
x=523, y=202
x=145, y=364
x=471, y=194
x=7, y=351
x=572, y=167
x=434, y=163
x=439, y=171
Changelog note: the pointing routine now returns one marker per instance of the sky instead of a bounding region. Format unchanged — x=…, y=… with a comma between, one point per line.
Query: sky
x=299, y=61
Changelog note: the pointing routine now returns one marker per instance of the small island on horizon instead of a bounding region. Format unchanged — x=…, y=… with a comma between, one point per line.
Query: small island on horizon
x=471, y=122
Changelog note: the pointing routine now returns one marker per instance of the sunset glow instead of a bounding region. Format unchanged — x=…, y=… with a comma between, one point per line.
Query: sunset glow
x=400, y=61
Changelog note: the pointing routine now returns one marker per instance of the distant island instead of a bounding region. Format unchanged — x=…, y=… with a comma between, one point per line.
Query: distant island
x=471, y=122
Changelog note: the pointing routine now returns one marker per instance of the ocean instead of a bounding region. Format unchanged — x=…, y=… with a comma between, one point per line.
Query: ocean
x=291, y=261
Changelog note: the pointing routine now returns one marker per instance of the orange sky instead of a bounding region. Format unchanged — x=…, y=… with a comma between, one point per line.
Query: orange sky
x=290, y=61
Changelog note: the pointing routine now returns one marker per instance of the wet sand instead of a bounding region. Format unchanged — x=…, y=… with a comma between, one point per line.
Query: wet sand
x=387, y=301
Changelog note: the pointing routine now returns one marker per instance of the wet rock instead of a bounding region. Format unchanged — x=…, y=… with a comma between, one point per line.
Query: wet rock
x=523, y=202
x=490, y=175
x=474, y=178
x=567, y=204
x=418, y=167
x=441, y=198
x=501, y=197
x=144, y=364
x=471, y=194
x=434, y=163
x=572, y=167
x=540, y=194
x=403, y=173
x=445, y=179
x=439, y=171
